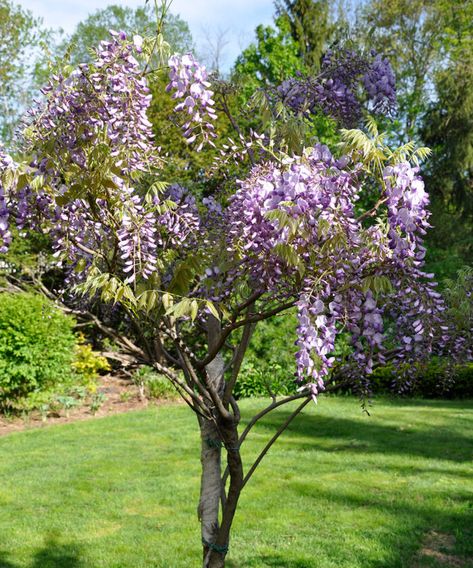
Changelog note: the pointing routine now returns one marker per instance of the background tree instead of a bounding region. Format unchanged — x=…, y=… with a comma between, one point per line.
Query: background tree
x=141, y=20
x=429, y=45
x=273, y=58
x=21, y=35
x=311, y=26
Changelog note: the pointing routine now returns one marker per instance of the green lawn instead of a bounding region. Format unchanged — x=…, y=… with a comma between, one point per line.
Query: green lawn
x=340, y=489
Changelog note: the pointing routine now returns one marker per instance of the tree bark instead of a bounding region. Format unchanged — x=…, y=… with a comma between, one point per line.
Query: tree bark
x=210, y=485
x=211, y=449
x=235, y=467
x=221, y=431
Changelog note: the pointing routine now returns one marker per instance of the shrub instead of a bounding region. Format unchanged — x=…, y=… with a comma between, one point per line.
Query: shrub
x=36, y=346
x=88, y=364
x=152, y=385
x=433, y=380
x=270, y=365
x=265, y=379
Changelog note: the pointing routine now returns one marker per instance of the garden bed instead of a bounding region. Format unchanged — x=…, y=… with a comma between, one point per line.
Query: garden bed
x=120, y=395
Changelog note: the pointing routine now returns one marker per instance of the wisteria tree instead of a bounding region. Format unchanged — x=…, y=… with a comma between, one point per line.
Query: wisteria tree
x=194, y=277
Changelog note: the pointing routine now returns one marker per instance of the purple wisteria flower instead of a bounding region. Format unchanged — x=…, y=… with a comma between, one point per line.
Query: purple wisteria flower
x=189, y=81
x=346, y=81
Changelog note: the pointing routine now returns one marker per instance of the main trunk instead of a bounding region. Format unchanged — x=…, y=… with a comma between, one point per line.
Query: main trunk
x=215, y=434
x=210, y=485
x=216, y=534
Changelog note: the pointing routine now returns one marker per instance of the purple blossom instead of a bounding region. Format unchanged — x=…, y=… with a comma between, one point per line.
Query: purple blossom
x=189, y=81
x=346, y=79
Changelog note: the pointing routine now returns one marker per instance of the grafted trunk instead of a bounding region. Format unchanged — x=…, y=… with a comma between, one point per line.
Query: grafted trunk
x=210, y=486
x=211, y=449
x=222, y=431
x=218, y=553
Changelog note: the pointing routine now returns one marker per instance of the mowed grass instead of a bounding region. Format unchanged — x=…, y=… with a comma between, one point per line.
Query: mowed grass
x=339, y=489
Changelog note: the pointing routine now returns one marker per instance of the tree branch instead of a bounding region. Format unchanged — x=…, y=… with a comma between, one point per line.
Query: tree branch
x=273, y=439
x=238, y=360
x=237, y=324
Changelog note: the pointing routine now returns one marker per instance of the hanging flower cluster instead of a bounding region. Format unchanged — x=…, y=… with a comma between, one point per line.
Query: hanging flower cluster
x=407, y=203
x=295, y=222
x=380, y=85
x=288, y=233
x=103, y=103
x=189, y=81
x=300, y=204
x=346, y=79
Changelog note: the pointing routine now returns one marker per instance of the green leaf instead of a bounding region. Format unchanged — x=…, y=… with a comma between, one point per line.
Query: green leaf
x=212, y=309
x=194, y=309
x=180, y=309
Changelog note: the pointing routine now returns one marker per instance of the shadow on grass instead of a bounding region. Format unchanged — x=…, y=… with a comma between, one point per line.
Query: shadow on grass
x=438, y=443
x=275, y=561
x=52, y=555
x=444, y=510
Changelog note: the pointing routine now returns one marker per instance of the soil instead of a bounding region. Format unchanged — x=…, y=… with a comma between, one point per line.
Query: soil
x=439, y=548
x=121, y=395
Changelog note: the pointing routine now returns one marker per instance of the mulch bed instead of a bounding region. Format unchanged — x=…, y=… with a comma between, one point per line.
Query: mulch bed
x=121, y=396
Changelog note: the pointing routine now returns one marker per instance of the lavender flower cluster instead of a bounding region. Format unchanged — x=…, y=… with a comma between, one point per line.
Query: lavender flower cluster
x=347, y=78
x=189, y=81
x=297, y=219
x=97, y=114
x=407, y=203
x=6, y=163
x=102, y=103
x=380, y=85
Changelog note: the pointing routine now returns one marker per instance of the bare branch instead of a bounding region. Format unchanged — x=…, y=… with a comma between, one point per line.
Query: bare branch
x=238, y=360
x=373, y=210
x=237, y=324
x=273, y=439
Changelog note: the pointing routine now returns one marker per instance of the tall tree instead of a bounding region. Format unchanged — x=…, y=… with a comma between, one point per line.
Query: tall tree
x=420, y=38
x=311, y=27
x=142, y=20
x=272, y=58
x=195, y=276
x=20, y=35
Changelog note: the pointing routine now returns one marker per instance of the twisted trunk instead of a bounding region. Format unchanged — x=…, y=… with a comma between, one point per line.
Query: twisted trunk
x=219, y=432
x=210, y=485
x=217, y=554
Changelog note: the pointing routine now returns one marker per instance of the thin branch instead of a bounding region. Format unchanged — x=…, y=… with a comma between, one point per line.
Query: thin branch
x=235, y=409
x=198, y=404
x=238, y=360
x=265, y=411
x=193, y=375
x=235, y=126
x=251, y=300
x=237, y=324
x=257, y=417
x=167, y=330
x=373, y=210
x=224, y=413
x=273, y=439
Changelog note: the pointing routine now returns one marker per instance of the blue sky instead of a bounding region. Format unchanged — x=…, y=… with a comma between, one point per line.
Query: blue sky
x=238, y=18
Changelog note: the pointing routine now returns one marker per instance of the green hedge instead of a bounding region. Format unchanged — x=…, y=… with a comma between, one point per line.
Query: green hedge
x=36, y=346
x=433, y=380
x=270, y=363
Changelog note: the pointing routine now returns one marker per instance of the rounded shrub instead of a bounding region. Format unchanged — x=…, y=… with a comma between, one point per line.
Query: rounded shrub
x=36, y=346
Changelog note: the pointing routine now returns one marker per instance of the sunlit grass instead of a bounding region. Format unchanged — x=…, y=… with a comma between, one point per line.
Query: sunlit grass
x=339, y=489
